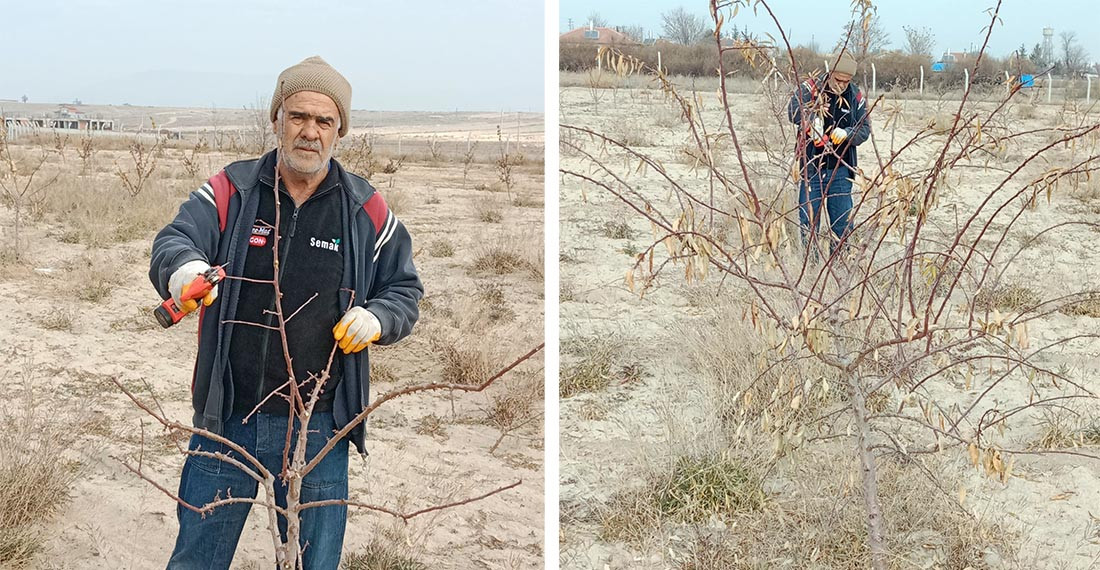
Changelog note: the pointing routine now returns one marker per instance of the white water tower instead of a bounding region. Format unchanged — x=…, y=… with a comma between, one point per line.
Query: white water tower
x=1048, y=44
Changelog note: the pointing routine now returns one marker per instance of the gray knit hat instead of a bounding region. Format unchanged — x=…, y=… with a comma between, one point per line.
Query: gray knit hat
x=845, y=64
x=313, y=74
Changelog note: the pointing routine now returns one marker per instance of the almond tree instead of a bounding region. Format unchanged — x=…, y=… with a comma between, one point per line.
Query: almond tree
x=898, y=307
x=23, y=184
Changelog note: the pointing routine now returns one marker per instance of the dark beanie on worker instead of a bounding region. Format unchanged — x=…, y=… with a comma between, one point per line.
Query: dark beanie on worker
x=313, y=74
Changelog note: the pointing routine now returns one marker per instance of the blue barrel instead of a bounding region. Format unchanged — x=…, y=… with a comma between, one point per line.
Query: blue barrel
x=1027, y=80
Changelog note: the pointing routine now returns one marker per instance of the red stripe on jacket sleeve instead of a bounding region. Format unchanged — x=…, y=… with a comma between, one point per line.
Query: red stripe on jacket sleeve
x=376, y=208
x=223, y=189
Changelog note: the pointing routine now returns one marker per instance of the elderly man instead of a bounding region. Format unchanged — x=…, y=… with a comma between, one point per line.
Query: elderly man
x=339, y=246
x=832, y=114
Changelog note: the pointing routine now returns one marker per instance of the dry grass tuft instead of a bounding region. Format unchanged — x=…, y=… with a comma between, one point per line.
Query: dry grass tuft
x=496, y=304
x=441, y=248
x=90, y=278
x=817, y=520
x=381, y=373
x=98, y=213
x=35, y=475
x=377, y=556
x=632, y=134
x=592, y=369
x=692, y=490
x=516, y=404
x=500, y=260
x=824, y=523
x=58, y=320
x=527, y=200
x=566, y=291
x=592, y=411
x=698, y=487
x=488, y=211
x=616, y=230
x=511, y=254
x=735, y=389
x=1067, y=426
x=709, y=551
x=432, y=425
x=463, y=362
x=1010, y=296
x=1088, y=307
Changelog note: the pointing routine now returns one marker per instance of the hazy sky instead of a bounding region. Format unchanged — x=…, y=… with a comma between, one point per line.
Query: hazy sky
x=956, y=24
x=431, y=55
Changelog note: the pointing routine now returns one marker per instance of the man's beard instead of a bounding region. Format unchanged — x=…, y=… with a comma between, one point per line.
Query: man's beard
x=308, y=167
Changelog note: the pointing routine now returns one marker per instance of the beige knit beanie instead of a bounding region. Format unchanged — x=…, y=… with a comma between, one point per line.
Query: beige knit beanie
x=313, y=74
x=845, y=64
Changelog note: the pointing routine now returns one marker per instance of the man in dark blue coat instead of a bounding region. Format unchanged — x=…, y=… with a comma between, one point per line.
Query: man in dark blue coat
x=831, y=112
x=347, y=281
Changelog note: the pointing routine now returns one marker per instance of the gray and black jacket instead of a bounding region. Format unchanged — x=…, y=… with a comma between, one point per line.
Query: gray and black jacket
x=215, y=224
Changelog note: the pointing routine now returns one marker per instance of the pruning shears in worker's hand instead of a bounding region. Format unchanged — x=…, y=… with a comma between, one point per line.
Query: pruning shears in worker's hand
x=168, y=313
x=815, y=131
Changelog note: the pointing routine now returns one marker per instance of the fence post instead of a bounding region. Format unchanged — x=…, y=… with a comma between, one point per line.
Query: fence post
x=1050, y=85
x=922, y=80
x=874, y=79
x=826, y=66
x=1008, y=83
x=658, y=60
x=1088, y=88
x=966, y=72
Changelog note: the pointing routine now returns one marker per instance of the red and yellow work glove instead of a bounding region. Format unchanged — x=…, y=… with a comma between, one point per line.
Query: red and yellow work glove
x=357, y=330
x=838, y=136
x=816, y=131
x=181, y=280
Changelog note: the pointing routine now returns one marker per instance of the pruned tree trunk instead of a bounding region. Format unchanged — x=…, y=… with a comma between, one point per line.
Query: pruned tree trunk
x=876, y=533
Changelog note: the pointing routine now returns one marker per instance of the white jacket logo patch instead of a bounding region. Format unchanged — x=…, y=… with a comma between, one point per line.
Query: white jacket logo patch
x=333, y=245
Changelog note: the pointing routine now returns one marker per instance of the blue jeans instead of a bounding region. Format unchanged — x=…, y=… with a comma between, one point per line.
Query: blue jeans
x=209, y=542
x=836, y=187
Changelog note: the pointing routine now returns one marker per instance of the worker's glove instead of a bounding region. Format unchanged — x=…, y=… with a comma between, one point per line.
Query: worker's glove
x=356, y=330
x=838, y=135
x=179, y=282
x=816, y=131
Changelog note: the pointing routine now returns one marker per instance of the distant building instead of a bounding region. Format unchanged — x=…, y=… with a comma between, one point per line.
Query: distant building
x=65, y=117
x=597, y=36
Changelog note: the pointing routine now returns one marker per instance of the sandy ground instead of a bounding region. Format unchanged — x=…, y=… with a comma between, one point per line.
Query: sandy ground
x=424, y=450
x=612, y=438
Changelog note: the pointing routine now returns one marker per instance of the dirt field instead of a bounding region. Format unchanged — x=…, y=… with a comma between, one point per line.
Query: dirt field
x=649, y=400
x=79, y=313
